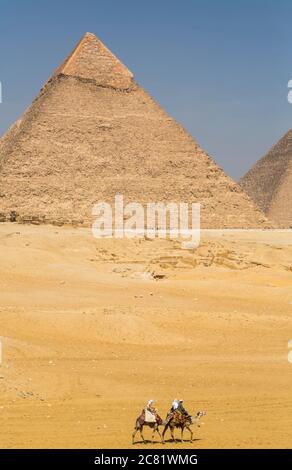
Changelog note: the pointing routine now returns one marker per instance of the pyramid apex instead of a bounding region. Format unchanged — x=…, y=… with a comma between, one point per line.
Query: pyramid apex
x=89, y=35
x=92, y=60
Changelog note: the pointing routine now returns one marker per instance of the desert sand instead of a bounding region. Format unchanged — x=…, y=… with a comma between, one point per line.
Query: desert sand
x=92, y=329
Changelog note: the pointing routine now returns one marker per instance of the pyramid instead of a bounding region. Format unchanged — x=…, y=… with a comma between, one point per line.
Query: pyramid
x=269, y=182
x=92, y=133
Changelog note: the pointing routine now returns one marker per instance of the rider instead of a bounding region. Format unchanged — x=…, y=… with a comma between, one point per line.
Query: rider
x=174, y=405
x=150, y=406
x=172, y=410
x=181, y=408
x=153, y=411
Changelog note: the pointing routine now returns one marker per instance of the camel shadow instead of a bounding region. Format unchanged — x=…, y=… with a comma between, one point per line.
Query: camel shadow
x=147, y=441
x=178, y=441
x=166, y=441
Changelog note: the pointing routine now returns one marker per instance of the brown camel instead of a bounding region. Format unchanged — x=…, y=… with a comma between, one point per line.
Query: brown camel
x=182, y=422
x=139, y=427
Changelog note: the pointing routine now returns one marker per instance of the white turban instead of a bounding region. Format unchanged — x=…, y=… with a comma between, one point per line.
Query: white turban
x=175, y=404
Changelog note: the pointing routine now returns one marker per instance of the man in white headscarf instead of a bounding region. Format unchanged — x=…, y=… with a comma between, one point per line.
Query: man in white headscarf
x=150, y=412
x=181, y=408
x=172, y=410
x=174, y=405
x=150, y=404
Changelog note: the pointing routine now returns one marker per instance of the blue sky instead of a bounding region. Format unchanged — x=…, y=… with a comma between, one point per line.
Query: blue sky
x=221, y=68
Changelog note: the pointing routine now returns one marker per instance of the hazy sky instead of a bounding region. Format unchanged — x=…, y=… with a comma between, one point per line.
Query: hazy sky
x=221, y=68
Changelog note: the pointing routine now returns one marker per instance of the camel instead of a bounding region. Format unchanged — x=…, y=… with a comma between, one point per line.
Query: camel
x=139, y=427
x=183, y=424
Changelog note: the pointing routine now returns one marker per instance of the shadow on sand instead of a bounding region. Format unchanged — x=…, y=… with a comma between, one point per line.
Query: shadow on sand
x=167, y=441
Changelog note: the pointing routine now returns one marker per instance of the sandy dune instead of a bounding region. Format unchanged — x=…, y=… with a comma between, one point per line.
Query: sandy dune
x=92, y=329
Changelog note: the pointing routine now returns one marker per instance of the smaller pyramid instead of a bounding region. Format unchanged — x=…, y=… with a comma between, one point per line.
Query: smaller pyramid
x=269, y=182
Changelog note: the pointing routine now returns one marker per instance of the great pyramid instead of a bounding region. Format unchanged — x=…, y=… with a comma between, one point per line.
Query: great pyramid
x=269, y=182
x=92, y=133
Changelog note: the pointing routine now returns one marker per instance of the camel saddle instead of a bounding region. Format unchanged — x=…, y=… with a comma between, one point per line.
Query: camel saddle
x=149, y=417
x=179, y=418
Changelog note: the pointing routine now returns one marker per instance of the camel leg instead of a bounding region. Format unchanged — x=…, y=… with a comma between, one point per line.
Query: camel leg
x=134, y=435
x=182, y=434
x=141, y=433
x=172, y=433
x=159, y=433
x=191, y=432
x=163, y=432
x=153, y=433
